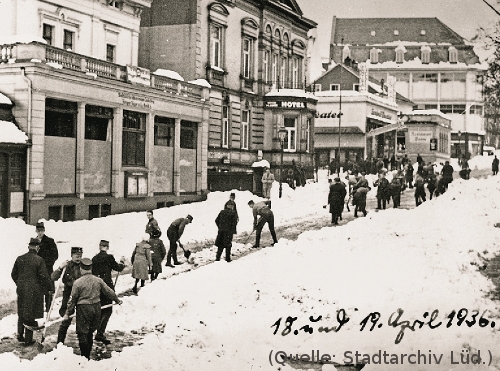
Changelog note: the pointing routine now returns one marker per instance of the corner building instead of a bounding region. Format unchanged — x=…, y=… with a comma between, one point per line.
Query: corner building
x=105, y=136
x=254, y=55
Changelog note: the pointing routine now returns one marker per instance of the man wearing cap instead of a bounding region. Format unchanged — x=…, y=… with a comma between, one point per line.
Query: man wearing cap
x=71, y=274
x=231, y=201
x=86, y=298
x=266, y=216
x=152, y=223
x=32, y=280
x=102, y=265
x=48, y=251
x=174, y=233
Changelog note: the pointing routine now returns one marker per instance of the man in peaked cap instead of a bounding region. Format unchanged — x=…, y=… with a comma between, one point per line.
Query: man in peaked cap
x=86, y=298
x=48, y=251
x=32, y=280
x=174, y=233
x=102, y=265
x=71, y=274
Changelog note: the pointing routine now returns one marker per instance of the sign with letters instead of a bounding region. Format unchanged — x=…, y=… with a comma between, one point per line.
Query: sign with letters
x=420, y=136
x=285, y=104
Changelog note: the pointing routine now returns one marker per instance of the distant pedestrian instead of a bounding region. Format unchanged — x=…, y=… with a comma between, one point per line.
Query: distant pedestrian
x=267, y=183
x=141, y=262
x=231, y=201
x=405, y=160
x=48, y=251
x=494, y=166
x=86, y=299
x=447, y=173
x=71, y=274
x=382, y=185
x=420, y=160
x=336, y=199
x=359, y=200
x=32, y=280
x=393, y=162
x=409, y=175
x=290, y=179
x=419, y=189
x=158, y=253
x=431, y=183
x=102, y=266
x=226, y=224
x=152, y=223
x=262, y=214
x=395, y=190
x=174, y=233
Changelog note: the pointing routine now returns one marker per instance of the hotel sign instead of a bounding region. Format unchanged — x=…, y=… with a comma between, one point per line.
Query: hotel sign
x=287, y=105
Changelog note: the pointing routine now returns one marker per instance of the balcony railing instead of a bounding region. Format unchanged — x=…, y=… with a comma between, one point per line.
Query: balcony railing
x=35, y=51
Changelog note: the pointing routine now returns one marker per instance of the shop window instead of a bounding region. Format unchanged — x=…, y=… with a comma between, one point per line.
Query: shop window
x=133, y=141
x=136, y=184
x=17, y=172
x=48, y=33
x=226, y=126
x=290, y=143
x=69, y=39
x=245, y=129
x=188, y=134
x=99, y=211
x=110, y=53
x=66, y=213
x=60, y=118
x=164, y=131
x=97, y=121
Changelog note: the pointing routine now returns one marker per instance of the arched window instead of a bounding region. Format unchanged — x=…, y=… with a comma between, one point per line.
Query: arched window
x=374, y=55
x=452, y=54
x=425, y=54
x=277, y=35
x=400, y=54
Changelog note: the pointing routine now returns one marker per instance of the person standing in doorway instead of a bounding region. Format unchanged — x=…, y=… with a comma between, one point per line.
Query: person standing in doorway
x=267, y=183
x=49, y=253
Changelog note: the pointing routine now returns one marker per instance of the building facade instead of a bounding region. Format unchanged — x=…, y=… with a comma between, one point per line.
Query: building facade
x=246, y=50
x=104, y=138
x=433, y=67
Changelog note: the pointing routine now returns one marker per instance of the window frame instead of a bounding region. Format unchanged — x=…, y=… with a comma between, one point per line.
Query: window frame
x=127, y=134
x=337, y=86
x=425, y=56
x=265, y=66
x=453, y=55
x=288, y=137
x=110, y=47
x=400, y=56
x=295, y=72
x=216, y=41
x=71, y=47
x=47, y=26
x=274, y=68
x=247, y=57
x=373, y=55
x=168, y=123
x=225, y=126
x=245, y=129
x=283, y=71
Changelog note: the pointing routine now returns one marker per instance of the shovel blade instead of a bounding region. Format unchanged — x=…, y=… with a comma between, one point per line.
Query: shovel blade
x=187, y=254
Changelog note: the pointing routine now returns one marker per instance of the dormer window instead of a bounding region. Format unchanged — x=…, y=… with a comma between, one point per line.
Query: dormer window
x=374, y=55
x=115, y=4
x=425, y=54
x=346, y=53
x=396, y=32
x=452, y=54
x=373, y=33
x=422, y=33
x=400, y=54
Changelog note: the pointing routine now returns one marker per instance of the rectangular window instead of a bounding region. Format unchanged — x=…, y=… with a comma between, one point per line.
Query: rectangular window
x=69, y=213
x=164, y=131
x=265, y=67
x=400, y=56
x=290, y=144
x=216, y=45
x=99, y=211
x=48, y=34
x=189, y=134
x=308, y=134
x=245, y=129
x=60, y=118
x=283, y=71
x=453, y=85
x=247, y=58
x=68, y=41
x=317, y=87
x=295, y=73
x=133, y=141
x=110, y=53
x=225, y=126
x=55, y=213
x=17, y=172
x=476, y=110
x=355, y=87
x=274, y=69
x=334, y=87
x=97, y=121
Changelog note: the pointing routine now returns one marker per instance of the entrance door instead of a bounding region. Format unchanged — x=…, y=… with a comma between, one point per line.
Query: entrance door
x=3, y=185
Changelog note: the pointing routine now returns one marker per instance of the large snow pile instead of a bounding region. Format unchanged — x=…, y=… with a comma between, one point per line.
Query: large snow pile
x=223, y=316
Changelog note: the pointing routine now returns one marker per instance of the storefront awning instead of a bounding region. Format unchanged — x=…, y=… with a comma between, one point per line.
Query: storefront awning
x=385, y=129
x=380, y=119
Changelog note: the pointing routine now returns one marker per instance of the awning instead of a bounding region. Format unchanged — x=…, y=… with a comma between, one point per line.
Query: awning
x=380, y=119
x=385, y=129
x=261, y=163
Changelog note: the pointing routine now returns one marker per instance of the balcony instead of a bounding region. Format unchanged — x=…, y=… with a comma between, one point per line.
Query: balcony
x=277, y=85
x=63, y=59
x=216, y=76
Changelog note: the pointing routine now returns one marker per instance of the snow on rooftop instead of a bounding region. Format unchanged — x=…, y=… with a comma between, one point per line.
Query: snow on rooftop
x=4, y=99
x=290, y=93
x=10, y=133
x=408, y=43
x=168, y=73
x=353, y=93
x=201, y=82
x=417, y=63
x=21, y=39
x=430, y=112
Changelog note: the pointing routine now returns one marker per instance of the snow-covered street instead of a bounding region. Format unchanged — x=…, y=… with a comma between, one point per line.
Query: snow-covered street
x=421, y=262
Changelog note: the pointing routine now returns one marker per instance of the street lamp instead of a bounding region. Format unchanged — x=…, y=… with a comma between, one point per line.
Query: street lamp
x=459, y=152
x=282, y=132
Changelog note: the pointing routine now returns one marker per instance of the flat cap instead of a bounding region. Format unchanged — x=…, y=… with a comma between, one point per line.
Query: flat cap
x=40, y=225
x=77, y=250
x=86, y=263
x=34, y=242
x=104, y=243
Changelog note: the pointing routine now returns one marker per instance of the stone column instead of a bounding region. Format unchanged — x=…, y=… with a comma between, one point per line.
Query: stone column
x=177, y=157
x=117, y=181
x=80, y=151
x=150, y=138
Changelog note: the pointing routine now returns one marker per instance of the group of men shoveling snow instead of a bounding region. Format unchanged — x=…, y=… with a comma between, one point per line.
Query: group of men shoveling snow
x=88, y=287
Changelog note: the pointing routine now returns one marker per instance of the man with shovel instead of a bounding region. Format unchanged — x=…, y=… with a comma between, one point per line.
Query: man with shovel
x=174, y=233
x=102, y=265
x=32, y=281
x=86, y=298
x=71, y=274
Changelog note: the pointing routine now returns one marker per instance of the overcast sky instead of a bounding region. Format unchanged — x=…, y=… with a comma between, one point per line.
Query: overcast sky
x=463, y=16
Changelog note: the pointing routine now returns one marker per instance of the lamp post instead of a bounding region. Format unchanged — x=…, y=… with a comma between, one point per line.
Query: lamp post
x=459, y=152
x=282, y=132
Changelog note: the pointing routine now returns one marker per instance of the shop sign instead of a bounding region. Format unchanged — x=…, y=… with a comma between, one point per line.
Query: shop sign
x=138, y=75
x=381, y=114
x=135, y=100
x=216, y=155
x=285, y=104
x=433, y=144
x=420, y=136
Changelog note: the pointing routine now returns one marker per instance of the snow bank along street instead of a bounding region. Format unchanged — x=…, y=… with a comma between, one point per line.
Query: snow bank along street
x=373, y=273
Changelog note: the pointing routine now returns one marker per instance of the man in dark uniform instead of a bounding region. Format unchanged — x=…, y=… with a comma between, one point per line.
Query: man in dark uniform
x=174, y=233
x=48, y=251
x=226, y=223
x=102, y=265
x=336, y=197
x=152, y=223
x=231, y=201
x=71, y=274
x=266, y=216
x=86, y=298
x=32, y=281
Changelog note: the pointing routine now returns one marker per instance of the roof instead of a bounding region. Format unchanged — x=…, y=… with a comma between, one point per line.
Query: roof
x=335, y=130
x=10, y=133
x=359, y=31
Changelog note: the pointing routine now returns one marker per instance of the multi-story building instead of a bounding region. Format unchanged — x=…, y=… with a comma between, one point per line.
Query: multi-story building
x=433, y=66
x=254, y=54
x=104, y=136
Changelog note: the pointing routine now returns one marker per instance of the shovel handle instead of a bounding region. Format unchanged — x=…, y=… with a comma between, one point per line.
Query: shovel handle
x=73, y=315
